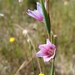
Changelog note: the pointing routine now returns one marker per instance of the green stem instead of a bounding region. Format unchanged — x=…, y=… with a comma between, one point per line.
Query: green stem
x=52, y=69
x=46, y=17
x=31, y=48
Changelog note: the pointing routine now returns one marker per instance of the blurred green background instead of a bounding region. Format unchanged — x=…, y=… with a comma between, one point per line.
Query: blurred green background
x=14, y=19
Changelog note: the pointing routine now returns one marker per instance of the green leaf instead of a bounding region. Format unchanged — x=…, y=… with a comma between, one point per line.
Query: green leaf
x=46, y=17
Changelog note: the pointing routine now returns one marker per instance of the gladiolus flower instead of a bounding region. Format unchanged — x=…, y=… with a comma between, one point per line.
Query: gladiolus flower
x=37, y=14
x=47, y=51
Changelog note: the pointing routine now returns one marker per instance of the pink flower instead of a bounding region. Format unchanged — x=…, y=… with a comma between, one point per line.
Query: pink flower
x=47, y=51
x=37, y=14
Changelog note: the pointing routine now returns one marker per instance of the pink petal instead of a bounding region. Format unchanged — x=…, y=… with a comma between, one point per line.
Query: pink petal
x=53, y=47
x=35, y=14
x=39, y=8
x=48, y=42
x=32, y=13
x=46, y=59
x=50, y=45
x=43, y=47
x=39, y=54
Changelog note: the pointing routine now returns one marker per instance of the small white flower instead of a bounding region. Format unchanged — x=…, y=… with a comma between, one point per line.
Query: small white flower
x=28, y=40
x=65, y=2
x=55, y=35
x=25, y=32
x=1, y=14
x=20, y=0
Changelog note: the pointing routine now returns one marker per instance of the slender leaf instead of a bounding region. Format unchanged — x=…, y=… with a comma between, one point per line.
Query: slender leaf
x=46, y=17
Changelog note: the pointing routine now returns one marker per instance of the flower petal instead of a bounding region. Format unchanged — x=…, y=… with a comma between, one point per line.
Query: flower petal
x=43, y=47
x=53, y=47
x=48, y=42
x=50, y=45
x=39, y=8
x=35, y=14
x=46, y=59
x=39, y=54
x=32, y=13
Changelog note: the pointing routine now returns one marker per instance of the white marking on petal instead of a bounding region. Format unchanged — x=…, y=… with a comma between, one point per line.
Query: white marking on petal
x=39, y=8
x=48, y=42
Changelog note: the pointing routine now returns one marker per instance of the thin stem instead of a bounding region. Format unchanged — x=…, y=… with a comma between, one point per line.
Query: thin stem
x=52, y=69
x=35, y=53
x=33, y=47
x=32, y=59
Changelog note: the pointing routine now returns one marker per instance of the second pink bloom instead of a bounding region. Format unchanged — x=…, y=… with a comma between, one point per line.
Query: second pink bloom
x=37, y=14
x=47, y=51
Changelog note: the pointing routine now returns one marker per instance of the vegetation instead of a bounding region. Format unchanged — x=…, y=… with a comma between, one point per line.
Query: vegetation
x=14, y=54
